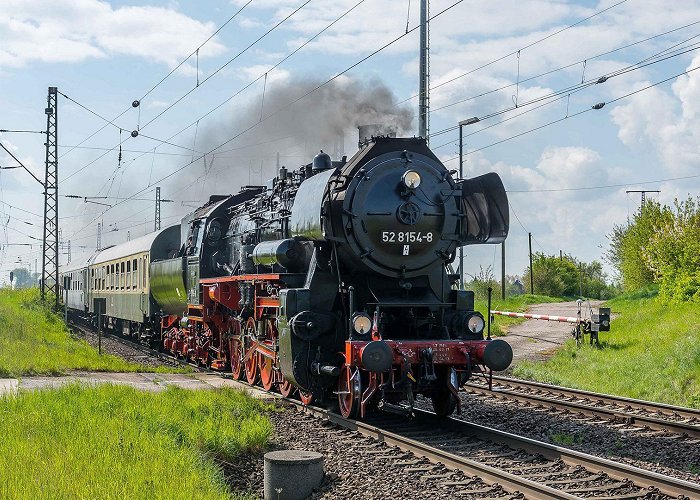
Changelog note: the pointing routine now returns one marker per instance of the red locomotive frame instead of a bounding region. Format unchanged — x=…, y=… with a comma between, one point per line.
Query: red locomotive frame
x=214, y=326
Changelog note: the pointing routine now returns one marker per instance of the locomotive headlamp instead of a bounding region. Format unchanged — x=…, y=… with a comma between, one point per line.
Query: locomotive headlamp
x=475, y=323
x=361, y=323
x=411, y=179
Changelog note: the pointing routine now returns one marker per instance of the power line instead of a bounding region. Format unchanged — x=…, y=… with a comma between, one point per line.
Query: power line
x=21, y=164
x=170, y=106
x=287, y=105
x=561, y=68
x=196, y=51
x=134, y=133
x=97, y=148
x=5, y=131
x=604, y=186
x=654, y=59
x=270, y=69
x=220, y=68
x=515, y=52
x=594, y=107
x=163, y=79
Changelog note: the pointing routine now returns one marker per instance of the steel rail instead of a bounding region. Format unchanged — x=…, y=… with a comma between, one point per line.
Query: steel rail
x=621, y=409
x=643, y=478
x=512, y=482
x=515, y=483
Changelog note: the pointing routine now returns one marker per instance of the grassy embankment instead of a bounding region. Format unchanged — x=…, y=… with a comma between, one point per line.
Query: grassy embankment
x=518, y=303
x=652, y=352
x=35, y=341
x=118, y=442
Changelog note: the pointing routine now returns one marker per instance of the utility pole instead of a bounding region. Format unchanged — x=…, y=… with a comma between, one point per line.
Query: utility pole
x=99, y=236
x=49, y=260
x=157, y=218
x=503, y=270
x=561, y=256
x=644, y=193
x=69, y=251
x=424, y=76
x=532, y=281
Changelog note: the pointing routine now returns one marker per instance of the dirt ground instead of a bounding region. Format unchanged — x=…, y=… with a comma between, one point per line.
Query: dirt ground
x=537, y=339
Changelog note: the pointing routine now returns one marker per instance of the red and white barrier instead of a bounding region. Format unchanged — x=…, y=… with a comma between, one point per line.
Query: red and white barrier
x=560, y=319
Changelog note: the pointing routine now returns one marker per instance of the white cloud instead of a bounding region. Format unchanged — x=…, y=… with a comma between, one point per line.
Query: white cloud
x=254, y=72
x=667, y=121
x=33, y=30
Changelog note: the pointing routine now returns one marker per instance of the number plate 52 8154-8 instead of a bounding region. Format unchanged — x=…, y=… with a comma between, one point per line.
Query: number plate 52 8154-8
x=407, y=237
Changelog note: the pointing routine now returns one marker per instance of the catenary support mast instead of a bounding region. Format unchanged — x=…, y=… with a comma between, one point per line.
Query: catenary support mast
x=49, y=261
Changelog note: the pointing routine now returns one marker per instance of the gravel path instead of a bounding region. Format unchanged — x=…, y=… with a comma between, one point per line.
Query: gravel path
x=536, y=339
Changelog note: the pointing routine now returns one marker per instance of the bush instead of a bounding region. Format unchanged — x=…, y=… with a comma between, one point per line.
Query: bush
x=661, y=246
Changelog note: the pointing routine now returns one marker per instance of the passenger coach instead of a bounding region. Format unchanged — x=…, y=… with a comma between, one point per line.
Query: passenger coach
x=116, y=285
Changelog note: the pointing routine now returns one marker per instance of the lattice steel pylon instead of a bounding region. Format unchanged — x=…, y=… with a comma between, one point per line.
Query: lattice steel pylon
x=157, y=219
x=49, y=260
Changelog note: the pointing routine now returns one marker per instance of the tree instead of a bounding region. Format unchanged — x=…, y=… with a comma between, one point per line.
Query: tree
x=672, y=253
x=567, y=277
x=628, y=243
x=22, y=278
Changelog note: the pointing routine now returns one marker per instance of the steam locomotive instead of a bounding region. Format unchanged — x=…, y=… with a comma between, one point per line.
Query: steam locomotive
x=334, y=278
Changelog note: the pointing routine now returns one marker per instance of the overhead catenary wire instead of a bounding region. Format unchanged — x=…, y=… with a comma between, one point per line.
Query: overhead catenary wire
x=531, y=44
x=605, y=186
x=586, y=110
x=290, y=103
x=655, y=59
x=220, y=68
x=270, y=69
x=179, y=99
x=583, y=81
x=162, y=79
x=280, y=62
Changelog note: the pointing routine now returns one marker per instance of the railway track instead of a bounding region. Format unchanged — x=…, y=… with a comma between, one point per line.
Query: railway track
x=145, y=352
x=517, y=464
x=509, y=466
x=623, y=411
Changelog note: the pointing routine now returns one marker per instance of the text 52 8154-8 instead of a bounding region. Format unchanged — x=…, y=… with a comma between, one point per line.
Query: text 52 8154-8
x=406, y=237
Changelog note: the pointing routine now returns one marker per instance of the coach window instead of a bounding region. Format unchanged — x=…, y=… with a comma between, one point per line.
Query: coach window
x=145, y=270
x=135, y=276
x=104, y=278
x=128, y=274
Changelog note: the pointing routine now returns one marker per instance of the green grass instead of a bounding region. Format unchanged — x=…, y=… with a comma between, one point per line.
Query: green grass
x=652, y=352
x=35, y=341
x=518, y=303
x=118, y=442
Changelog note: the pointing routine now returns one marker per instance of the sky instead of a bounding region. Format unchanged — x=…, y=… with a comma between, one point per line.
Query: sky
x=290, y=77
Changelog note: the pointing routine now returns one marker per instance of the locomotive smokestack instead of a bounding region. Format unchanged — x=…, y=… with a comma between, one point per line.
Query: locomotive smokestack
x=366, y=132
